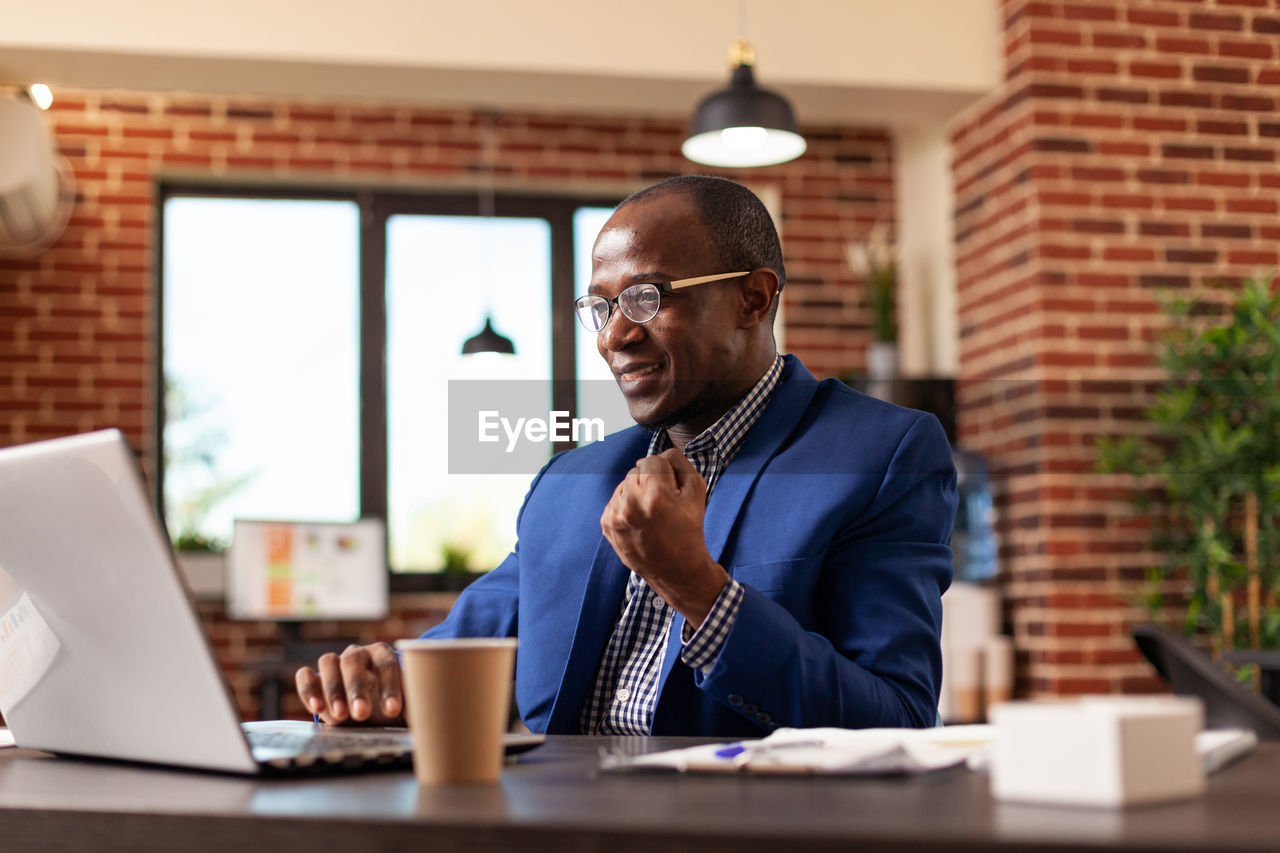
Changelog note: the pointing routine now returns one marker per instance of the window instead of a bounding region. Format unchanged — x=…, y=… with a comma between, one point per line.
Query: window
x=445, y=275
x=307, y=344
x=260, y=362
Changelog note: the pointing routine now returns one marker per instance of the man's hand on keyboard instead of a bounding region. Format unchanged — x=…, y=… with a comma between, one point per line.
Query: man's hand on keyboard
x=362, y=685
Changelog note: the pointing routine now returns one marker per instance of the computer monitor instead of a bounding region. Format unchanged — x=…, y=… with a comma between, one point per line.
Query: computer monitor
x=293, y=570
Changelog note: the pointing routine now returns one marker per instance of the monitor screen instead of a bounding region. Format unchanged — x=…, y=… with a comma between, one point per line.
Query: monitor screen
x=291, y=570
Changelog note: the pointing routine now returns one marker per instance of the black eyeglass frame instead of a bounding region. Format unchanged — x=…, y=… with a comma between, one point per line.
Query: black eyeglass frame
x=661, y=287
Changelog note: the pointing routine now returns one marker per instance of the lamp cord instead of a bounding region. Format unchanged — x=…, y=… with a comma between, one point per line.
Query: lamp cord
x=486, y=201
x=488, y=160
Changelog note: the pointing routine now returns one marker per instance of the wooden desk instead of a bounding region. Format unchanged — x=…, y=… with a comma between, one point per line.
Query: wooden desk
x=554, y=799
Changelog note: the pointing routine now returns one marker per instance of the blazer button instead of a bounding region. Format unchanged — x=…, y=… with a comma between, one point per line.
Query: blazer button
x=764, y=718
x=750, y=708
x=735, y=700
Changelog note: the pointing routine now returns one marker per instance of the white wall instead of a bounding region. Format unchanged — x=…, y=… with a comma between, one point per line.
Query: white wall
x=929, y=338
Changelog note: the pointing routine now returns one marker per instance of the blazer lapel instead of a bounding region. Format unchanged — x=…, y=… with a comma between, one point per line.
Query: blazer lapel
x=598, y=611
x=597, y=618
x=780, y=418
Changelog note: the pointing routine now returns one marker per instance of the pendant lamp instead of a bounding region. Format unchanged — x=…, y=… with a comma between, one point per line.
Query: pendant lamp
x=488, y=340
x=743, y=125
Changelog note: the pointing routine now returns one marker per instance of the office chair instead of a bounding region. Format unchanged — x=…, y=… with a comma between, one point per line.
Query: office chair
x=1190, y=672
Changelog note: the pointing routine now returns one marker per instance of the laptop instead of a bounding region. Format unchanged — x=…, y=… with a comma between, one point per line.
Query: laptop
x=102, y=653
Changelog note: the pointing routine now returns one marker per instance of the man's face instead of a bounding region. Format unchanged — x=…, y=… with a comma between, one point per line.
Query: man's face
x=676, y=368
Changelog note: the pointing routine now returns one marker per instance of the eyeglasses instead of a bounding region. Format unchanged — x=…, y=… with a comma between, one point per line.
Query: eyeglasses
x=639, y=302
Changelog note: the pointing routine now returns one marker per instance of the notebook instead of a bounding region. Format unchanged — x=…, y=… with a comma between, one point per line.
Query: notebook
x=102, y=652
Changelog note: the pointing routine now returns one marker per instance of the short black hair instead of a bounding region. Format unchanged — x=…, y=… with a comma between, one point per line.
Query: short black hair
x=737, y=222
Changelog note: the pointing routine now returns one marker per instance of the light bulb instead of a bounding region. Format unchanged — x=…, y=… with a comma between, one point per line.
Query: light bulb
x=41, y=95
x=760, y=146
x=744, y=138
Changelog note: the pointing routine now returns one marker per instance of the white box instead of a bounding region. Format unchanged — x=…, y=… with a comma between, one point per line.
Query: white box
x=1097, y=751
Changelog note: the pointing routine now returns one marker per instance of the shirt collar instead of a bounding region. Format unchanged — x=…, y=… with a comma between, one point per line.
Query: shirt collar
x=726, y=435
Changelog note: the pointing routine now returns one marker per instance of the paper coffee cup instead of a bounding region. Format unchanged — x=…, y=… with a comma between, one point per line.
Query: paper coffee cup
x=964, y=678
x=457, y=698
x=997, y=672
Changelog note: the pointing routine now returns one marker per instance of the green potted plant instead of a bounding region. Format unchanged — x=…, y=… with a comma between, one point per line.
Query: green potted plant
x=1209, y=470
x=873, y=259
x=191, y=450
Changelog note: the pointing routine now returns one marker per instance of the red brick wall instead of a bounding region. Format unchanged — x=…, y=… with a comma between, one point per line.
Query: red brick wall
x=1131, y=151
x=77, y=323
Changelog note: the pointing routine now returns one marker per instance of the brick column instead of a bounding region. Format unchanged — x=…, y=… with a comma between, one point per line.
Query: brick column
x=1132, y=150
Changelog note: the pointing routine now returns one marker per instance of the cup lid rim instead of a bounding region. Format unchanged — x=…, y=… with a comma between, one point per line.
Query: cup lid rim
x=457, y=643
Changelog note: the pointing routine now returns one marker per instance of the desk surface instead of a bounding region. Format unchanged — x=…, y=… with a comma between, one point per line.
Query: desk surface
x=554, y=798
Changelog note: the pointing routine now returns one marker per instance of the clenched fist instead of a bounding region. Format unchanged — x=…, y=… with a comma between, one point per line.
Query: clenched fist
x=654, y=523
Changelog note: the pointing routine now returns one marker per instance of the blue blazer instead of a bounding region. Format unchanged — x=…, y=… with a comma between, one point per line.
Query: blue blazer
x=836, y=517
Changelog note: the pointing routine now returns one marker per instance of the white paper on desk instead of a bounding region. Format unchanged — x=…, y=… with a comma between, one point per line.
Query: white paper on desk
x=6, y=738
x=824, y=751
x=27, y=648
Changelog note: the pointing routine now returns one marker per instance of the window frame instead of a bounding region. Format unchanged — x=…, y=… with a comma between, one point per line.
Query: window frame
x=376, y=206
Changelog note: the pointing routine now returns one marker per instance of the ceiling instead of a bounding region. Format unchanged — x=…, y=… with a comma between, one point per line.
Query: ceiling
x=894, y=62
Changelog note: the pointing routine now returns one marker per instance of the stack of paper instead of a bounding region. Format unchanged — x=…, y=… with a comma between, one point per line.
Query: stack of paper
x=822, y=751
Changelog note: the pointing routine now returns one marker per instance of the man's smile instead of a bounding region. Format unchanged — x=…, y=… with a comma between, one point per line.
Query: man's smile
x=633, y=373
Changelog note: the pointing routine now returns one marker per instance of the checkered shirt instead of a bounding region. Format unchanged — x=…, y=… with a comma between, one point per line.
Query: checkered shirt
x=626, y=686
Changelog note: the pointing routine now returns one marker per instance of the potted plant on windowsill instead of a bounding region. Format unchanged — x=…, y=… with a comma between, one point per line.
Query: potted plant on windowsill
x=456, y=573
x=1209, y=472
x=203, y=563
x=873, y=260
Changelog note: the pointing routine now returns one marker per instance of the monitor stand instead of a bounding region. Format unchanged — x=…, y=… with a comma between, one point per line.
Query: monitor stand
x=277, y=673
x=293, y=647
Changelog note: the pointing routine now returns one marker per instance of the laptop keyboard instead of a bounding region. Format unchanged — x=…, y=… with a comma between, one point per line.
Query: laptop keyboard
x=293, y=746
x=329, y=741
x=317, y=748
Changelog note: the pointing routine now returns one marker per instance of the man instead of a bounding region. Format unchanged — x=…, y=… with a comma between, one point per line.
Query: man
x=775, y=557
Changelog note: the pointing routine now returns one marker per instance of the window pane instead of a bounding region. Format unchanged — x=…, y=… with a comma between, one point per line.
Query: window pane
x=261, y=360
x=444, y=275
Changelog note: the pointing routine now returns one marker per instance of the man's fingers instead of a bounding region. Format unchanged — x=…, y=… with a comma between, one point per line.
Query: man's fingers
x=387, y=666
x=332, y=688
x=682, y=469
x=309, y=690
x=360, y=685
x=652, y=479
x=656, y=471
x=649, y=482
x=360, y=680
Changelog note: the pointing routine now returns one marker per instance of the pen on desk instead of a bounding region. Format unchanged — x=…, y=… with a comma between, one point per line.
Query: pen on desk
x=733, y=750
x=742, y=752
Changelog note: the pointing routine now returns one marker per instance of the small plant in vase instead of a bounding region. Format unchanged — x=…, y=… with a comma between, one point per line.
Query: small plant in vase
x=873, y=259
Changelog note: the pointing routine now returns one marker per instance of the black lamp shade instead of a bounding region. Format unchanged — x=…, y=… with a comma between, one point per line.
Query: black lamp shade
x=488, y=341
x=743, y=125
